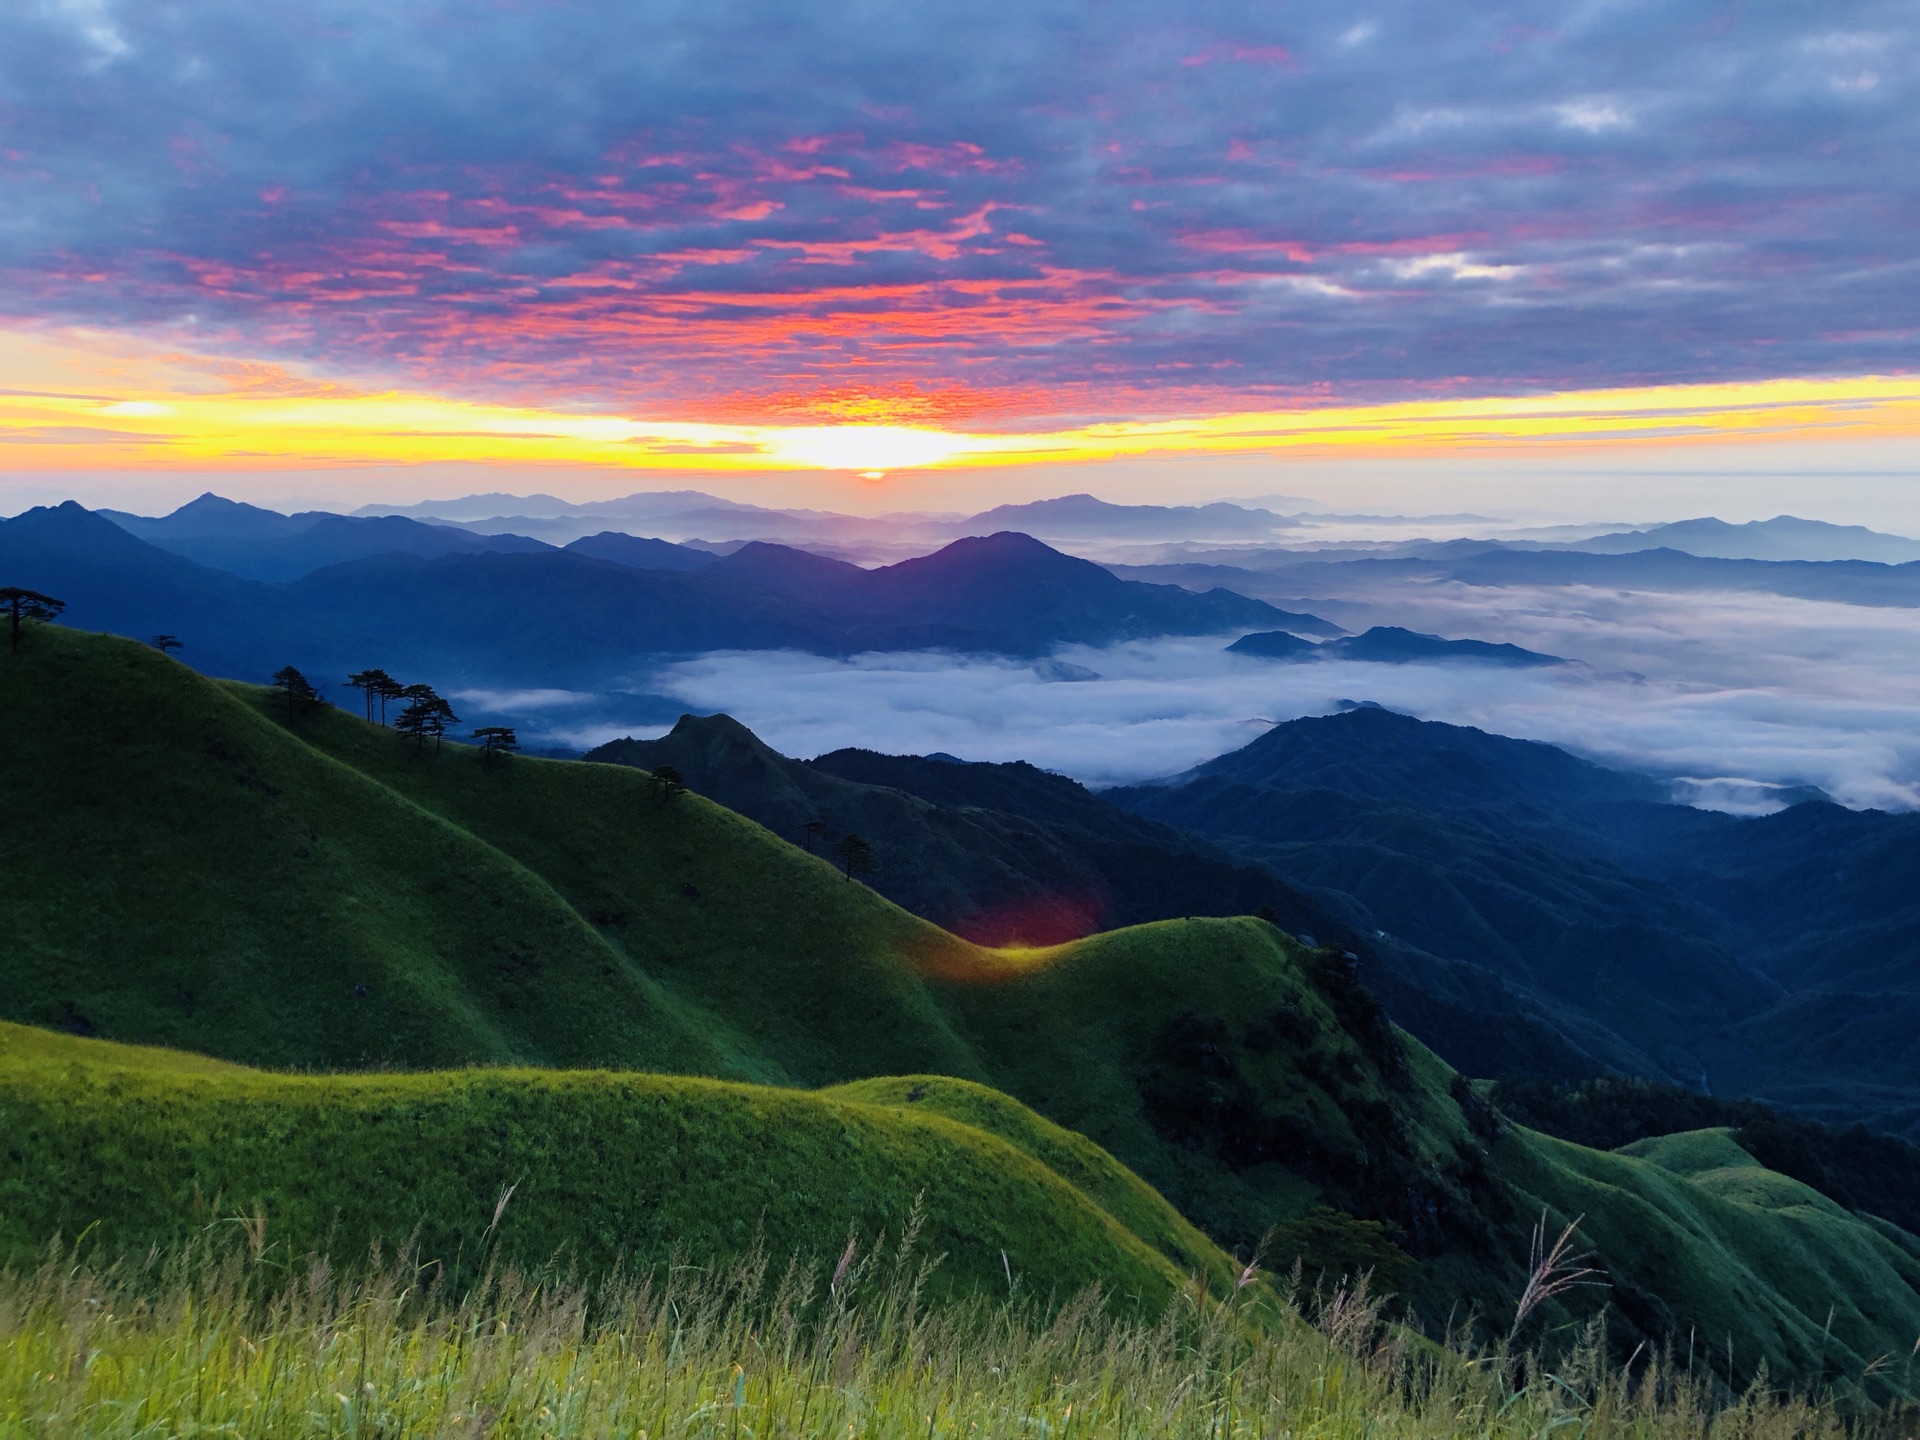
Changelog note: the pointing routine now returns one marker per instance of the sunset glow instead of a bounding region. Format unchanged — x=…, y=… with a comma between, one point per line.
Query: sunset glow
x=173, y=412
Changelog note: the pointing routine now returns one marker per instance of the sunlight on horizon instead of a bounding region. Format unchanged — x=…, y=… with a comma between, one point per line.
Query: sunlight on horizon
x=88, y=402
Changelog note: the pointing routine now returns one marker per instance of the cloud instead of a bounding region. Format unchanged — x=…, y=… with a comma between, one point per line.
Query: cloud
x=1734, y=698
x=744, y=204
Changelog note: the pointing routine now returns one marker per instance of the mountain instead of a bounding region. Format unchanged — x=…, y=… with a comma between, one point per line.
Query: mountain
x=1082, y=517
x=115, y=582
x=999, y=854
x=1770, y=956
x=1389, y=645
x=259, y=544
x=490, y=615
x=1785, y=537
x=1009, y=854
x=209, y=516
x=1284, y=576
x=1022, y=597
x=682, y=514
x=639, y=553
x=1274, y=645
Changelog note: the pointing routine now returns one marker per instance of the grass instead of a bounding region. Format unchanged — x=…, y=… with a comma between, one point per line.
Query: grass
x=184, y=868
x=756, y=1351
x=324, y=896
x=1758, y=1269
x=144, y=1149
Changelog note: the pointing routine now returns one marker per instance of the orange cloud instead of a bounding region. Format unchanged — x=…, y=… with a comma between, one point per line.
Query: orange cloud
x=76, y=401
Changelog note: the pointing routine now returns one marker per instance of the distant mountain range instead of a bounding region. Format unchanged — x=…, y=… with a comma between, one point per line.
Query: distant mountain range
x=1785, y=537
x=266, y=545
x=1777, y=956
x=530, y=614
x=1387, y=645
x=1084, y=517
x=1292, y=576
x=1303, y=526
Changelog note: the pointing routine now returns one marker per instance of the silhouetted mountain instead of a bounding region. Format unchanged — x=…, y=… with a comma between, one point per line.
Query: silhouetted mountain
x=1391, y=645
x=1388, y=645
x=782, y=570
x=479, y=616
x=682, y=514
x=1785, y=537
x=640, y=553
x=1283, y=575
x=1778, y=956
x=1084, y=517
x=114, y=581
x=209, y=516
x=1274, y=645
x=259, y=544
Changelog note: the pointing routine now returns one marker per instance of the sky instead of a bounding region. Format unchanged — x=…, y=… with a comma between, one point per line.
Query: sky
x=886, y=256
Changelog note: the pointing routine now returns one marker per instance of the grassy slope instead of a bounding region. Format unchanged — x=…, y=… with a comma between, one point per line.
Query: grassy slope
x=610, y=1169
x=1731, y=1249
x=186, y=875
x=554, y=913
x=1088, y=1168
x=827, y=982
x=737, y=922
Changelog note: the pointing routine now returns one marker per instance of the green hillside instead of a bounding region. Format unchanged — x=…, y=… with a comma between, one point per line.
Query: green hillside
x=609, y=1170
x=188, y=867
x=1755, y=1258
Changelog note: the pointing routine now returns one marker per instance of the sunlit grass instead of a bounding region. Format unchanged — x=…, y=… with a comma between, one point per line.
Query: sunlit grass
x=202, y=1345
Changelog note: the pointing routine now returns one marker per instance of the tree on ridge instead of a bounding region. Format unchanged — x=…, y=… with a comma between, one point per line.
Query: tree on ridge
x=22, y=604
x=373, y=682
x=301, y=696
x=668, y=783
x=387, y=688
x=165, y=644
x=426, y=714
x=496, y=740
x=855, y=855
x=813, y=830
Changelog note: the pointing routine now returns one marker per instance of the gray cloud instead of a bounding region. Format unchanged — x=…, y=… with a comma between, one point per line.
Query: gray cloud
x=1052, y=203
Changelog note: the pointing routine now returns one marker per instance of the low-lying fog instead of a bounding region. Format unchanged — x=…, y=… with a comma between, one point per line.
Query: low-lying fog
x=1730, y=695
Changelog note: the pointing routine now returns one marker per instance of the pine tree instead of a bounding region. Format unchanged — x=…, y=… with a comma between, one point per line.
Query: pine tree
x=856, y=855
x=23, y=604
x=496, y=740
x=300, y=694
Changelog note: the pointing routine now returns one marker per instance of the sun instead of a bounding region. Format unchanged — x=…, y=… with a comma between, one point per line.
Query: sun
x=869, y=451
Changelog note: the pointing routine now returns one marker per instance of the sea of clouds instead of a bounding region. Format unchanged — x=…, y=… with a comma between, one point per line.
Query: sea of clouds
x=1733, y=697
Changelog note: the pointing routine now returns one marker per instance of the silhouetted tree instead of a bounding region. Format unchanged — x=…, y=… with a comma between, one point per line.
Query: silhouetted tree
x=855, y=855
x=668, y=783
x=426, y=714
x=387, y=688
x=27, y=605
x=165, y=644
x=814, y=830
x=496, y=740
x=301, y=696
x=372, y=683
